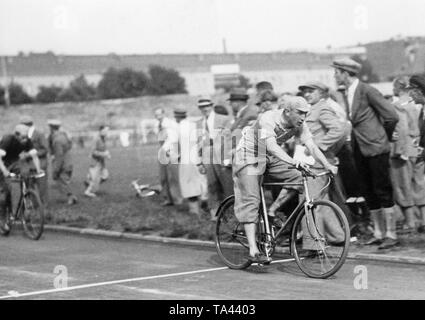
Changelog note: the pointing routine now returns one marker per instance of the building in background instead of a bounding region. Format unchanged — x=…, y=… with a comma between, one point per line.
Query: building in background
x=204, y=72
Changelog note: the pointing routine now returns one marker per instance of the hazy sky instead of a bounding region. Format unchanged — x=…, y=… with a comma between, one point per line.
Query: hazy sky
x=177, y=26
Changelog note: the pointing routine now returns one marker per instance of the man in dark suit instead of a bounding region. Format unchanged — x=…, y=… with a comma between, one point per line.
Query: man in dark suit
x=40, y=144
x=215, y=154
x=243, y=114
x=373, y=119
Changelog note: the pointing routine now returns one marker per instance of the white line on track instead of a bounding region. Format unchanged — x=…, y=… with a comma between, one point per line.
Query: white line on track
x=107, y=283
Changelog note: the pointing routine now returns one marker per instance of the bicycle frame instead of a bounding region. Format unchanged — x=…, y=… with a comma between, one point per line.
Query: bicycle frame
x=305, y=202
x=23, y=181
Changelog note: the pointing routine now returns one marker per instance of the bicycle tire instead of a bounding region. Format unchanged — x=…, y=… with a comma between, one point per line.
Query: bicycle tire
x=32, y=215
x=312, y=262
x=230, y=238
x=3, y=231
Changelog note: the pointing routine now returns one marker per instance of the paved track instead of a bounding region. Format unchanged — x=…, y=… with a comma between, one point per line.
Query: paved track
x=101, y=268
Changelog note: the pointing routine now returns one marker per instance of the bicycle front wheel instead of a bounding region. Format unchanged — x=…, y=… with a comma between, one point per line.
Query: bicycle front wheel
x=320, y=239
x=32, y=215
x=230, y=239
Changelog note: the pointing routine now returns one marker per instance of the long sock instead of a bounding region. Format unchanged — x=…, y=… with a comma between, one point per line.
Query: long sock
x=390, y=222
x=409, y=216
x=378, y=223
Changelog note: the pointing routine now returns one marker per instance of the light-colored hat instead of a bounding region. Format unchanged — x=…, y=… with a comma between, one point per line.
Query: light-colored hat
x=179, y=112
x=292, y=102
x=347, y=64
x=314, y=85
x=54, y=122
x=204, y=102
x=26, y=119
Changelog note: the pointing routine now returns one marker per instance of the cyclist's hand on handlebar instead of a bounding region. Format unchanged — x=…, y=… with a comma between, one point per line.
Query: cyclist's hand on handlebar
x=332, y=169
x=301, y=166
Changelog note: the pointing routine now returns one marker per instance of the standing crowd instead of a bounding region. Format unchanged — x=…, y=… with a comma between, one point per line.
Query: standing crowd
x=373, y=144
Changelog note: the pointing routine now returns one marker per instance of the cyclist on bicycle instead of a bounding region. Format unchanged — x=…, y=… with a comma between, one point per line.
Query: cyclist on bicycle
x=259, y=154
x=15, y=149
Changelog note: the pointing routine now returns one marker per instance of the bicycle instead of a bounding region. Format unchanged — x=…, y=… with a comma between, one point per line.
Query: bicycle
x=145, y=190
x=30, y=209
x=324, y=260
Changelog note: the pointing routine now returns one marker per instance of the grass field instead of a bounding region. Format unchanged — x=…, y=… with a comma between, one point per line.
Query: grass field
x=117, y=207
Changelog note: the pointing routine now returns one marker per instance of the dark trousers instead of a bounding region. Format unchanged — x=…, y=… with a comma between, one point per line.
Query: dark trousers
x=348, y=171
x=220, y=184
x=374, y=173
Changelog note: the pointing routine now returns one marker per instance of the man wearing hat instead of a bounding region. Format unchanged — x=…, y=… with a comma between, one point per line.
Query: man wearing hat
x=183, y=149
x=15, y=148
x=244, y=114
x=259, y=154
x=214, y=151
x=60, y=148
x=373, y=120
x=39, y=142
x=267, y=101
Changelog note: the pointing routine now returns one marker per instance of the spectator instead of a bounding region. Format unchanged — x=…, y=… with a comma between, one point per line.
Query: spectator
x=374, y=120
x=267, y=101
x=168, y=172
x=40, y=144
x=215, y=133
x=329, y=134
x=244, y=114
x=97, y=171
x=262, y=86
x=60, y=146
x=192, y=180
x=417, y=92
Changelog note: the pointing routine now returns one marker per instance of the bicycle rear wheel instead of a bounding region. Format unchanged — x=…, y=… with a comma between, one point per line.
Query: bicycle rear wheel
x=230, y=239
x=323, y=247
x=7, y=226
x=32, y=215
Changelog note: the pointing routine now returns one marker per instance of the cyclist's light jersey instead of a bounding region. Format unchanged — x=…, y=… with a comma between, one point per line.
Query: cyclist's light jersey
x=252, y=146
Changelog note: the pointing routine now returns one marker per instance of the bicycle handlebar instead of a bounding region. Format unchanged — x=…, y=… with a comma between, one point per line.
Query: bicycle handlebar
x=18, y=176
x=310, y=173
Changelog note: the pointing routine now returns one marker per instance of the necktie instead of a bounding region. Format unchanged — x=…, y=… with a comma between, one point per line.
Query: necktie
x=347, y=106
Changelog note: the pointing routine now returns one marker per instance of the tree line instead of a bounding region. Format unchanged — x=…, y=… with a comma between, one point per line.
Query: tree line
x=114, y=84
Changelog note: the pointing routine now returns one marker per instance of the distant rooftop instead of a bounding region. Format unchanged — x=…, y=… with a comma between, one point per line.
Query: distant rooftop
x=388, y=58
x=38, y=64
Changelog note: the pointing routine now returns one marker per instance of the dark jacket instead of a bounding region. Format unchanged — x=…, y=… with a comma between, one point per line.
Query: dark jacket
x=39, y=142
x=374, y=120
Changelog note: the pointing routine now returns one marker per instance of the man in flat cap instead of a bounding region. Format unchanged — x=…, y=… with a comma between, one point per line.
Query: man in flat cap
x=373, y=120
x=259, y=154
x=214, y=151
x=60, y=146
x=40, y=143
x=15, y=148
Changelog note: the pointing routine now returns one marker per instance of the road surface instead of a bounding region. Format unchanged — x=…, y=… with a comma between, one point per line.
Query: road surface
x=67, y=266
